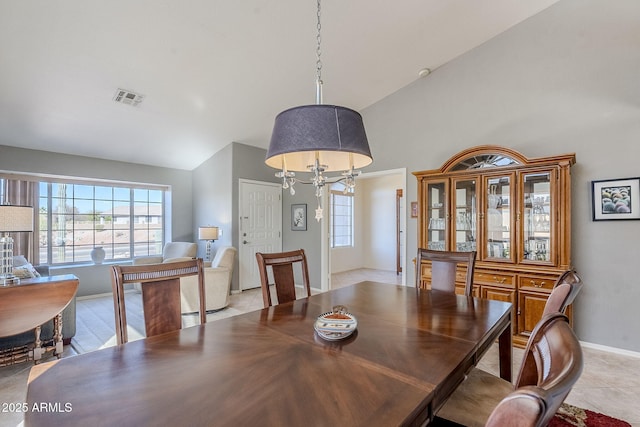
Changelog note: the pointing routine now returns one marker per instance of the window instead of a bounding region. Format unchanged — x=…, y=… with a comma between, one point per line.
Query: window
x=126, y=220
x=341, y=218
x=74, y=218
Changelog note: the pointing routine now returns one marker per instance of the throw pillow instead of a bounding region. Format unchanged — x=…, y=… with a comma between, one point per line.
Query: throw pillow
x=25, y=271
x=19, y=260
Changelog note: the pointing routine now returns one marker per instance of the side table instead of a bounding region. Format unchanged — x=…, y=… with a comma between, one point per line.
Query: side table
x=31, y=303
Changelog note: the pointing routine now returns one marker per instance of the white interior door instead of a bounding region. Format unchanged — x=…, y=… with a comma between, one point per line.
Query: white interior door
x=260, y=227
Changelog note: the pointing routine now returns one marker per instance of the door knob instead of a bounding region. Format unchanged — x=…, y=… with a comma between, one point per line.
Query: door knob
x=245, y=242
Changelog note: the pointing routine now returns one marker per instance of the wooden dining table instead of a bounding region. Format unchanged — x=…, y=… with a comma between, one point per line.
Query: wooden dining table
x=269, y=367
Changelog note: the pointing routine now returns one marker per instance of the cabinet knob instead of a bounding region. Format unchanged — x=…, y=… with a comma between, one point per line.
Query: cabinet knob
x=537, y=285
x=500, y=281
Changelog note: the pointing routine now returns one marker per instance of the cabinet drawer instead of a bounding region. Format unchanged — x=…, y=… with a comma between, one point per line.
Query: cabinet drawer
x=541, y=283
x=493, y=278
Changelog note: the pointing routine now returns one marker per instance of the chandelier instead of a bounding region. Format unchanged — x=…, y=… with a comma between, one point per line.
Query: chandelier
x=318, y=138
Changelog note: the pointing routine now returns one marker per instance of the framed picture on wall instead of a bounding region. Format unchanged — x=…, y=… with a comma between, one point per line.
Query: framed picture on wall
x=299, y=217
x=616, y=199
x=414, y=209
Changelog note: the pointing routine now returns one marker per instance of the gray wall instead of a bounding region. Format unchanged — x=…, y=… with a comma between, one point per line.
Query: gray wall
x=92, y=278
x=216, y=188
x=213, y=197
x=550, y=85
x=308, y=240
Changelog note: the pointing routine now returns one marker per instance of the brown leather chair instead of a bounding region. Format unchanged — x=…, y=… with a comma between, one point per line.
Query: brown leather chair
x=564, y=292
x=559, y=358
x=281, y=264
x=443, y=269
x=160, y=295
x=562, y=295
x=539, y=392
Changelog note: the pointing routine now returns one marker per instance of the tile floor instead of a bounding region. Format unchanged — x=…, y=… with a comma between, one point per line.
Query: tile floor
x=610, y=382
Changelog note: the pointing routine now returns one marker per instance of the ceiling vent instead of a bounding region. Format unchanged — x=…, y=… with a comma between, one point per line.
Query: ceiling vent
x=127, y=97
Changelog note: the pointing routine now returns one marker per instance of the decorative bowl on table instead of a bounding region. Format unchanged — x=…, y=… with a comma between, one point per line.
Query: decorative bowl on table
x=335, y=325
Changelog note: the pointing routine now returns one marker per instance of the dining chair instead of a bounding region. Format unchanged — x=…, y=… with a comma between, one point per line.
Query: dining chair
x=564, y=292
x=160, y=295
x=443, y=269
x=281, y=266
x=557, y=354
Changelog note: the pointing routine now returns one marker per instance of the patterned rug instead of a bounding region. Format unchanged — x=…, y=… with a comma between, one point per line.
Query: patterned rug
x=570, y=416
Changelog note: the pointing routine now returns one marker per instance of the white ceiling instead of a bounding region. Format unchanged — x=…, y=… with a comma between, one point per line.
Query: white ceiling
x=213, y=72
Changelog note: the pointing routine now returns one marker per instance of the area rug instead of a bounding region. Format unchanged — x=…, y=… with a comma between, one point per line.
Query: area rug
x=572, y=416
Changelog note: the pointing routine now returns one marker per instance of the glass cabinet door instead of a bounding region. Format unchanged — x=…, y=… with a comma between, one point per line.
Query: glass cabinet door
x=498, y=217
x=436, y=211
x=537, y=218
x=465, y=211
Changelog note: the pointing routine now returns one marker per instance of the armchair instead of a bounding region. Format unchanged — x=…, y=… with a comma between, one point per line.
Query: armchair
x=217, y=283
x=171, y=251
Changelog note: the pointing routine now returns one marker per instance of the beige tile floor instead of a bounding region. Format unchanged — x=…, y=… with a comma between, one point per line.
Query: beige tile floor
x=610, y=382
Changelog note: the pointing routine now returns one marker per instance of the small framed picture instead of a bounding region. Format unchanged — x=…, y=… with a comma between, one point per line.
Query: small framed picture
x=299, y=217
x=616, y=199
x=414, y=209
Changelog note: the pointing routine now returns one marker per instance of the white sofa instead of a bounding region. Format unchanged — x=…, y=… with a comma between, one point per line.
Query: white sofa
x=217, y=283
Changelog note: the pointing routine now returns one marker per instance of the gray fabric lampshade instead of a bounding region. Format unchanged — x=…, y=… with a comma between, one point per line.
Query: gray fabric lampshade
x=334, y=134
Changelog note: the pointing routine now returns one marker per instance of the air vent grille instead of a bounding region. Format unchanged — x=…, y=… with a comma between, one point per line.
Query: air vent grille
x=128, y=97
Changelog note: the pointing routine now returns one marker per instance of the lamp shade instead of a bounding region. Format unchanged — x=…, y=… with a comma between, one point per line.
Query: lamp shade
x=208, y=233
x=334, y=135
x=16, y=218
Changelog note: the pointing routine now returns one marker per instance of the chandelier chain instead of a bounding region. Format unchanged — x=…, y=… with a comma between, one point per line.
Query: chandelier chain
x=318, y=50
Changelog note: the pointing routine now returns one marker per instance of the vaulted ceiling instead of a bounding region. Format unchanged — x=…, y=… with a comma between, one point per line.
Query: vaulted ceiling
x=213, y=72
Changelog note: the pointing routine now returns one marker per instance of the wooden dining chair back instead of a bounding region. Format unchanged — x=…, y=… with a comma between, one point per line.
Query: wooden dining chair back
x=558, y=356
x=160, y=295
x=443, y=269
x=281, y=265
x=564, y=292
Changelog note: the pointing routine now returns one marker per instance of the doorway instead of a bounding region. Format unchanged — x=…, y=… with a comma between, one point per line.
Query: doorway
x=260, y=227
x=379, y=229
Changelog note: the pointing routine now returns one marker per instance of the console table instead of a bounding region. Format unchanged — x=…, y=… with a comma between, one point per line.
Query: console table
x=31, y=303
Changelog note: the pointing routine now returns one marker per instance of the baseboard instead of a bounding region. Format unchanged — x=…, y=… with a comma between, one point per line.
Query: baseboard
x=85, y=297
x=127, y=289
x=608, y=349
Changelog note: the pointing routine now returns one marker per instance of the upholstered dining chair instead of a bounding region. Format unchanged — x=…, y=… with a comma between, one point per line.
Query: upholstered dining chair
x=564, y=292
x=443, y=269
x=160, y=295
x=281, y=266
x=557, y=354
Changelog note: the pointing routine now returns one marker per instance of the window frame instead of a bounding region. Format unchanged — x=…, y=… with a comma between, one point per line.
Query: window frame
x=154, y=224
x=334, y=224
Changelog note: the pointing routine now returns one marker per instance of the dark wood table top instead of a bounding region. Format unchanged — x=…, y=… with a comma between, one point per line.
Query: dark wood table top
x=34, y=302
x=268, y=367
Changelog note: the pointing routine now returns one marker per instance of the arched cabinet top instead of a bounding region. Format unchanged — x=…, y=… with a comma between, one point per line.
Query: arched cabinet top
x=494, y=156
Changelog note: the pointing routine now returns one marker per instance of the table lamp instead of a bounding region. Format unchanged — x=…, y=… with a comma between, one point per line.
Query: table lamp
x=12, y=219
x=210, y=234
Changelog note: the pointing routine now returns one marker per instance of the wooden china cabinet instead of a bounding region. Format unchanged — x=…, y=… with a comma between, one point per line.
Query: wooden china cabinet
x=514, y=211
